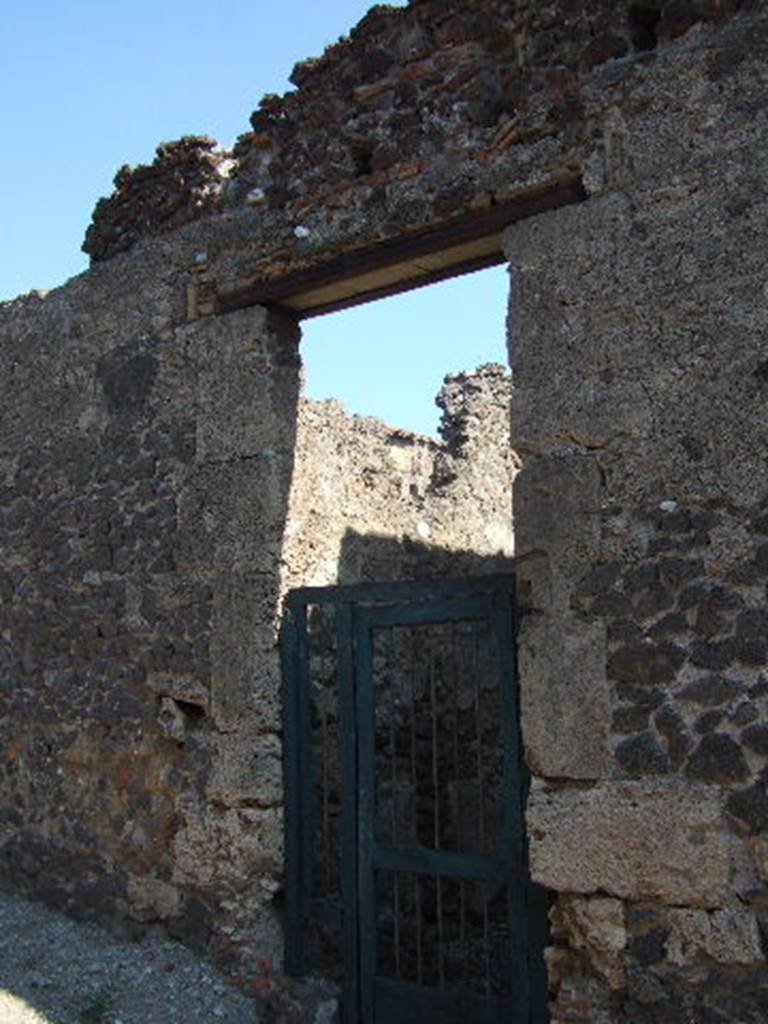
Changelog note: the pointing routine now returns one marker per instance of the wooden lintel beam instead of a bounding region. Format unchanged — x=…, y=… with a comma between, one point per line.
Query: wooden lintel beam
x=405, y=249
x=405, y=285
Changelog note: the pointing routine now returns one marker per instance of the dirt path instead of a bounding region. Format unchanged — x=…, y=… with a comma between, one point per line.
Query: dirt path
x=56, y=971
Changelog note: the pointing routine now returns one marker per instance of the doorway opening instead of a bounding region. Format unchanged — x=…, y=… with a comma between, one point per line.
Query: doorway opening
x=406, y=877
x=406, y=874
x=389, y=358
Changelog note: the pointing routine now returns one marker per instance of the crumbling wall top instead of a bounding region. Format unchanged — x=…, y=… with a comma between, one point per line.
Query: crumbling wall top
x=419, y=113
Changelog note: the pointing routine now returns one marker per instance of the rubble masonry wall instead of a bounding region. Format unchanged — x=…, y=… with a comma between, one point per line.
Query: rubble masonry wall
x=638, y=355
x=162, y=486
x=637, y=349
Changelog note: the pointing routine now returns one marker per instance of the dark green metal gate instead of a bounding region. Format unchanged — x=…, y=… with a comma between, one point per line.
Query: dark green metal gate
x=405, y=855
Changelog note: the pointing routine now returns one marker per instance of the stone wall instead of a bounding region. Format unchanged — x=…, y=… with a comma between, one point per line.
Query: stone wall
x=372, y=503
x=147, y=537
x=438, y=109
x=638, y=357
x=638, y=320
x=145, y=472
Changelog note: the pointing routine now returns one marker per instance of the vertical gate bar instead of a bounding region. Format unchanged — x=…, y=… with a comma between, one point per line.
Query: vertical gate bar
x=393, y=677
x=504, y=663
x=455, y=691
x=414, y=762
x=348, y=754
x=476, y=674
x=514, y=951
x=459, y=673
x=463, y=921
x=398, y=972
x=504, y=657
x=415, y=807
x=293, y=650
x=322, y=698
x=435, y=770
x=419, y=951
x=440, y=933
x=486, y=939
x=392, y=753
x=478, y=739
x=306, y=761
x=436, y=795
x=366, y=794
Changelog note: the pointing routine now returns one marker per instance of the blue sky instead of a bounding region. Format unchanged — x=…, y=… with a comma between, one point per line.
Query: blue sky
x=89, y=85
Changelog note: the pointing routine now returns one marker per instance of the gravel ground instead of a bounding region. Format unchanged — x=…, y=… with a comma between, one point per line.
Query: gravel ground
x=57, y=971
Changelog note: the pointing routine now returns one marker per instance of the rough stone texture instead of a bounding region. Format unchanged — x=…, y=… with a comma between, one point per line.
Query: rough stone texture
x=152, y=517
x=726, y=936
x=637, y=348
x=596, y=927
x=566, y=708
x=371, y=502
x=644, y=840
x=637, y=328
x=141, y=509
x=438, y=109
x=184, y=182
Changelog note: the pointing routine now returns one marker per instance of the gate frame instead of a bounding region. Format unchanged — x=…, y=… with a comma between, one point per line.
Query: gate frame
x=298, y=770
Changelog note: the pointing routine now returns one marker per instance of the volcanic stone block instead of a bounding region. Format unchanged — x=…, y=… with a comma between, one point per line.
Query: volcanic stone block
x=646, y=663
x=660, y=840
x=566, y=712
x=728, y=936
x=750, y=807
x=756, y=737
x=245, y=385
x=642, y=755
x=596, y=926
x=718, y=758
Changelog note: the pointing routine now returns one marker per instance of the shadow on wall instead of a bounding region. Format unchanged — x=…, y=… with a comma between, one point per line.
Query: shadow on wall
x=366, y=558
x=375, y=558
x=143, y=512
x=431, y=678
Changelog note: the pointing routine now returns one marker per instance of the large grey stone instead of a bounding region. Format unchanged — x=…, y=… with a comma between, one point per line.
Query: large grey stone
x=565, y=698
x=595, y=925
x=727, y=936
x=557, y=510
x=245, y=670
x=564, y=692
x=660, y=840
x=246, y=388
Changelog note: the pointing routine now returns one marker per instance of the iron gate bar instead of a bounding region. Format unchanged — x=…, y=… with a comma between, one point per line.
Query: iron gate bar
x=503, y=617
x=393, y=800
x=359, y=611
x=349, y=812
x=365, y=709
x=505, y=628
x=295, y=754
x=426, y=861
x=384, y=593
x=469, y=608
